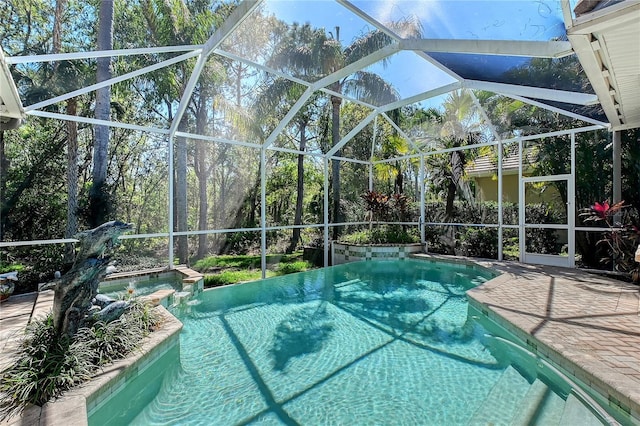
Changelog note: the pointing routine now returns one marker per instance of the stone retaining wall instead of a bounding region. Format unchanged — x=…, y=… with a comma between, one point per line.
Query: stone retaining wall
x=344, y=253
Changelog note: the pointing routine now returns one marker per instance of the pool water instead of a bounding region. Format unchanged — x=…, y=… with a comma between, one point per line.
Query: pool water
x=361, y=343
x=142, y=288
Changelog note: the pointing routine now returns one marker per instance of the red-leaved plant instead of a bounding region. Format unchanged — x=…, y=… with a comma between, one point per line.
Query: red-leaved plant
x=622, y=240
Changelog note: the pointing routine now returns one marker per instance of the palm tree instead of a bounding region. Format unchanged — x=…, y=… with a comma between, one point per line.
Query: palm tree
x=456, y=126
x=323, y=55
x=279, y=96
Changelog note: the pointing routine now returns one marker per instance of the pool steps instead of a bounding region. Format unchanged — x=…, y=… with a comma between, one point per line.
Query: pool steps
x=575, y=413
x=540, y=406
x=499, y=407
x=514, y=401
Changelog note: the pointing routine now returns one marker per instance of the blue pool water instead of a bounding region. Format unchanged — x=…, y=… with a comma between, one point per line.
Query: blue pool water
x=361, y=343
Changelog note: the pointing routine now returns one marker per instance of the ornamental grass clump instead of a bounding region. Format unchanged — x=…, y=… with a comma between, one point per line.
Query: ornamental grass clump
x=47, y=364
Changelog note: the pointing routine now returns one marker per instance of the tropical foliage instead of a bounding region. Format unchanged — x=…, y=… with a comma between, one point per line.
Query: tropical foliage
x=623, y=238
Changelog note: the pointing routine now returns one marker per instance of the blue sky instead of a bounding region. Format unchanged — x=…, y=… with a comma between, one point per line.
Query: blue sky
x=458, y=19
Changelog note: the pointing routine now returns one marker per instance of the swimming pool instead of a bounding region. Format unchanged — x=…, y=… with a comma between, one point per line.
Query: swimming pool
x=362, y=343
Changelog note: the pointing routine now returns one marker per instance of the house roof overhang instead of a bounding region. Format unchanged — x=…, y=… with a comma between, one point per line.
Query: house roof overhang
x=11, y=111
x=607, y=43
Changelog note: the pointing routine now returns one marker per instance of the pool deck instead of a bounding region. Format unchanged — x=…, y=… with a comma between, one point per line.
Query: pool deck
x=588, y=324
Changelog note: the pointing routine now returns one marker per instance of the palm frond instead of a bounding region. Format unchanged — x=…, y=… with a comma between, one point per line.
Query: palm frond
x=366, y=45
x=370, y=87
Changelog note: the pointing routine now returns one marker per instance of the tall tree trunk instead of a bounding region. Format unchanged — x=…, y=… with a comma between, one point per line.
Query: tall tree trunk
x=3, y=183
x=202, y=174
x=451, y=195
x=297, y=220
x=98, y=195
x=180, y=194
x=72, y=143
x=457, y=172
x=57, y=25
x=72, y=179
x=398, y=184
x=335, y=164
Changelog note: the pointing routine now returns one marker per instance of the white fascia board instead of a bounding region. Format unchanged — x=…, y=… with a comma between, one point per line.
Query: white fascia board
x=610, y=16
x=11, y=106
x=533, y=92
x=592, y=66
x=537, y=49
x=567, y=13
x=622, y=127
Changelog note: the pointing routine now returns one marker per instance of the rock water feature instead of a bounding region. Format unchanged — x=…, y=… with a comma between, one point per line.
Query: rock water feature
x=76, y=302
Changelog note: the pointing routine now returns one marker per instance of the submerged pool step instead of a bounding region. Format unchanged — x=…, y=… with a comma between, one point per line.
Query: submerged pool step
x=575, y=413
x=501, y=404
x=540, y=406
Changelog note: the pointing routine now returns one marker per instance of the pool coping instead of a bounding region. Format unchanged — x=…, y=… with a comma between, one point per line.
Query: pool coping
x=620, y=391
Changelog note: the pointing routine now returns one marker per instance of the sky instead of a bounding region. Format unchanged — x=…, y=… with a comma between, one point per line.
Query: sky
x=410, y=74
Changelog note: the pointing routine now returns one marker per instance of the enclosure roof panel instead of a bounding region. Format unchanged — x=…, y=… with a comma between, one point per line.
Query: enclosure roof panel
x=475, y=19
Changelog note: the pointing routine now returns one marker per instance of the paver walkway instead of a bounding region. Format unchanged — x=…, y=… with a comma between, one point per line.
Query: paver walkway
x=14, y=316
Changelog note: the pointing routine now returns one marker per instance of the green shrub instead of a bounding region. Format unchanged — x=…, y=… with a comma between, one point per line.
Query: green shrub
x=479, y=242
x=48, y=365
x=383, y=234
x=484, y=243
x=233, y=277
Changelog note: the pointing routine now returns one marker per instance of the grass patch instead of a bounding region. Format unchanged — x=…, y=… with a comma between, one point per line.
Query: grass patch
x=243, y=261
x=242, y=268
x=233, y=277
x=10, y=267
x=293, y=267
